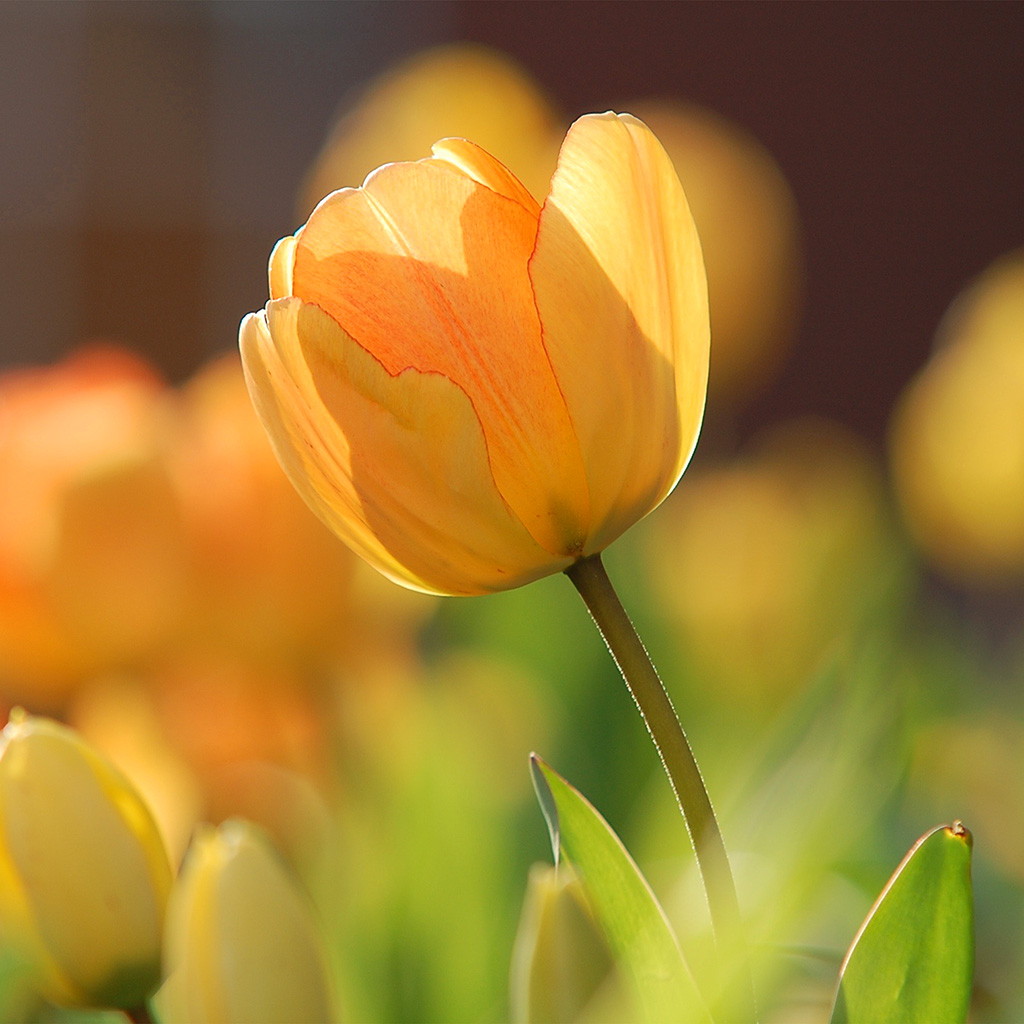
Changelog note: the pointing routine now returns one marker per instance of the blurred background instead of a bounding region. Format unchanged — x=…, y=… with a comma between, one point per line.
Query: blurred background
x=152, y=153
x=834, y=594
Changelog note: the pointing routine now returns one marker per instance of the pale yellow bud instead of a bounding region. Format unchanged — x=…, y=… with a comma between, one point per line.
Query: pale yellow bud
x=561, y=964
x=84, y=876
x=241, y=945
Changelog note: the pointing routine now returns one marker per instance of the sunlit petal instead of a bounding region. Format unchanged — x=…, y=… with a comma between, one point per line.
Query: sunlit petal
x=478, y=164
x=282, y=258
x=622, y=296
x=425, y=268
x=364, y=447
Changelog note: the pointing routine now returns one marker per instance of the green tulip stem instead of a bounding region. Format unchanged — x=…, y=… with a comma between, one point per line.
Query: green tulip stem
x=591, y=580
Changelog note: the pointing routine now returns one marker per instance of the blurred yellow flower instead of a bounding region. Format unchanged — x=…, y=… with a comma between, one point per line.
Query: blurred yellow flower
x=957, y=436
x=84, y=876
x=474, y=391
x=766, y=565
x=749, y=230
x=241, y=945
x=118, y=717
x=460, y=89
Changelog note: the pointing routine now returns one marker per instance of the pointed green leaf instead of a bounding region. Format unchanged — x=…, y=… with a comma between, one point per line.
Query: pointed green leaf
x=913, y=958
x=621, y=900
x=547, y=806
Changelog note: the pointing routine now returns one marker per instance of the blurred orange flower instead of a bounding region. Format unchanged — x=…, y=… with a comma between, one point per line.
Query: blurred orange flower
x=210, y=737
x=267, y=579
x=90, y=538
x=472, y=390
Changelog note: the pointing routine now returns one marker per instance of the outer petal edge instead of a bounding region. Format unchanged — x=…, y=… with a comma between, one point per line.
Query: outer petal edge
x=395, y=465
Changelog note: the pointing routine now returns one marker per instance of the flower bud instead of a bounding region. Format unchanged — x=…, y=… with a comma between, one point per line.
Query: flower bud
x=561, y=961
x=84, y=876
x=241, y=945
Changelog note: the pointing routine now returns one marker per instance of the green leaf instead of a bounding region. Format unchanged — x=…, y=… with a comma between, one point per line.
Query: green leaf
x=913, y=958
x=620, y=899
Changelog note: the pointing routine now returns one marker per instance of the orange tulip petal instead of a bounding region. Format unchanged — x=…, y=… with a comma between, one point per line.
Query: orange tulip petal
x=478, y=164
x=395, y=465
x=426, y=268
x=315, y=464
x=622, y=296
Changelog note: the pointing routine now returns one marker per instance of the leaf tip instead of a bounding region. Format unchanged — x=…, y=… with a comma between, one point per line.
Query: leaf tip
x=546, y=800
x=958, y=830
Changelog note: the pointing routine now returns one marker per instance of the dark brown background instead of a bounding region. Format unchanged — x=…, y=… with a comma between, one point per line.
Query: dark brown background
x=149, y=154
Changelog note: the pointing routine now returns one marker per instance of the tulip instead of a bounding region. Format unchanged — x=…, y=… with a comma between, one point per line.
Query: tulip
x=474, y=390
x=241, y=945
x=84, y=875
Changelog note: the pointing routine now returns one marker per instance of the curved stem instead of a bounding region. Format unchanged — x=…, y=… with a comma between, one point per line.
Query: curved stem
x=591, y=580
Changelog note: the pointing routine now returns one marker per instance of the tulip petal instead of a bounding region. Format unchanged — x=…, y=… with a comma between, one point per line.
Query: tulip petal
x=397, y=466
x=426, y=268
x=622, y=297
x=478, y=164
x=282, y=258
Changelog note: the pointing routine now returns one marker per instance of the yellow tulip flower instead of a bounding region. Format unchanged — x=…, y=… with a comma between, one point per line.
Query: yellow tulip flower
x=474, y=390
x=957, y=436
x=241, y=947
x=84, y=876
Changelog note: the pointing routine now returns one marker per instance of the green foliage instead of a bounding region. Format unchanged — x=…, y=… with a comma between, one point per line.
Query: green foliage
x=913, y=959
x=621, y=900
